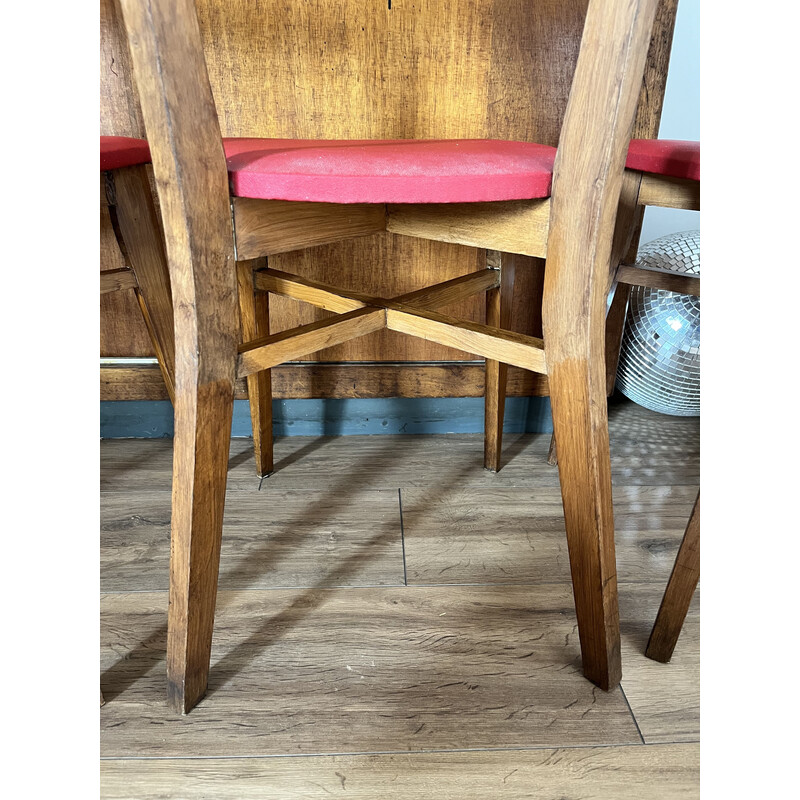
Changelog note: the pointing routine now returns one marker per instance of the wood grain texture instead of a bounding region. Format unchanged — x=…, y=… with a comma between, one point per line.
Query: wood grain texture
x=660, y=190
x=142, y=236
x=665, y=698
x=289, y=345
x=516, y=226
x=362, y=670
x=271, y=538
x=191, y=179
x=456, y=379
x=522, y=351
x=509, y=535
x=254, y=311
x=315, y=638
x=678, y=594
x=117, y=280
x=655, y=279
x=341, y=301
x=268, y=227
x=591, y=153
x=499, y=305
x=664, y=772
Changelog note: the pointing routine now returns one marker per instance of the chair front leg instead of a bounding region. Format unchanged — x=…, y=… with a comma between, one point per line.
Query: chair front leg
x=254, y=310
x=576, y=374
x=498, y=315
x=203, y=416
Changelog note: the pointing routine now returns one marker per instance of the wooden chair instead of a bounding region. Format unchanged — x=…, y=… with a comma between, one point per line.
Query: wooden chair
x=678, y=595
x=670, y=178
x=574, y=207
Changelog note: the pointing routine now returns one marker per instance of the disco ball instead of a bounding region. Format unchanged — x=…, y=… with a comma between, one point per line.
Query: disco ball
x=659, y=364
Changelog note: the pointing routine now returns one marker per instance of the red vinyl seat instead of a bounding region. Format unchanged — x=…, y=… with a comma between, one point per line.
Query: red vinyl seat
x=122, y=151
x=401, y=171
x=669, y=157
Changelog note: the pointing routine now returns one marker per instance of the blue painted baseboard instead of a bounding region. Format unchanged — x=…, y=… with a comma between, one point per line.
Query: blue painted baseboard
x=146, y=419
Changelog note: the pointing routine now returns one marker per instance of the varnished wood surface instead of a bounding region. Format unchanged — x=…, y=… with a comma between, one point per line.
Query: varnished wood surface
x=657, y=190
x=665, y=772
x=143, y=382
x=192, y=182
x=591, y=152
x=117, y=280
x=678, y=594
x=312, y=581
x=656, y=279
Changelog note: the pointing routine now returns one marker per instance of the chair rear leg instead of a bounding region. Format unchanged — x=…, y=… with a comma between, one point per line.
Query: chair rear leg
x=138, y=229
x=254, y=310
x=498, y=315
x=678, y=595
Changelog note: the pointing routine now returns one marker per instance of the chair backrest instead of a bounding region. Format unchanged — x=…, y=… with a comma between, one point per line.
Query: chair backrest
x=354, y=68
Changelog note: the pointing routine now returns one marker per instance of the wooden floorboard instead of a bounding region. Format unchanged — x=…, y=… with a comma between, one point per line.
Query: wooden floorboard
x=659, y=772
x=270, y=538
x=517, y=535
x=665, y=698
x=464, y=683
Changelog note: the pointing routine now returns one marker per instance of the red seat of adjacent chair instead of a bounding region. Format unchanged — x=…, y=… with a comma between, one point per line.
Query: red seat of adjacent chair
x=122, y=151
x=669, y=157
x=400, y=170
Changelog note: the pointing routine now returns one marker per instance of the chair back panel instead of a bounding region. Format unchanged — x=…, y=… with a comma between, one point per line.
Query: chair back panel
x=356, y=68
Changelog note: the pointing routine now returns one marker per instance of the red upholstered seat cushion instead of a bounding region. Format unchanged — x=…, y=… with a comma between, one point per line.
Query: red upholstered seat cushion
x=398, y=171
x=401, y=170
x=668, y=157
x=122, y=151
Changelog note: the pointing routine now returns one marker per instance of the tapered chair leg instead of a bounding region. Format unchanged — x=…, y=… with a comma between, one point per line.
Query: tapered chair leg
x=498, y=315
x=552, y=454
x=203, y=415
x=678, y=595
x=581, y=429
x=254, y=310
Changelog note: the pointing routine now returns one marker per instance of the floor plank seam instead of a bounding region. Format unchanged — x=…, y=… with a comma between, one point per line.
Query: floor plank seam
x=441, y=751
x=402, y=536
x=378, y=586
x=635, y=721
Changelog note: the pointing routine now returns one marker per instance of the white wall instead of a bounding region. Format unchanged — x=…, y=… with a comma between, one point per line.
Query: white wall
x=681, y=115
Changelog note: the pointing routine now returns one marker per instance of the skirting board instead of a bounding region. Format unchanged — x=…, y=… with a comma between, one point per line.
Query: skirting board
x=147, y=419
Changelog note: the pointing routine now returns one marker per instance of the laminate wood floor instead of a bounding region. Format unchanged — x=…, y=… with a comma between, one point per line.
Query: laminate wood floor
x=393, y=621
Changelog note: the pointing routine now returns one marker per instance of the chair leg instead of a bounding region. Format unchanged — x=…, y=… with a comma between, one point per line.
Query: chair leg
x=573, y=335
x=615, y=327
x=138, y=229
x=552, y=455
x=498, y=315
x=678, y=595
x=254, y=310
x=203, y=415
